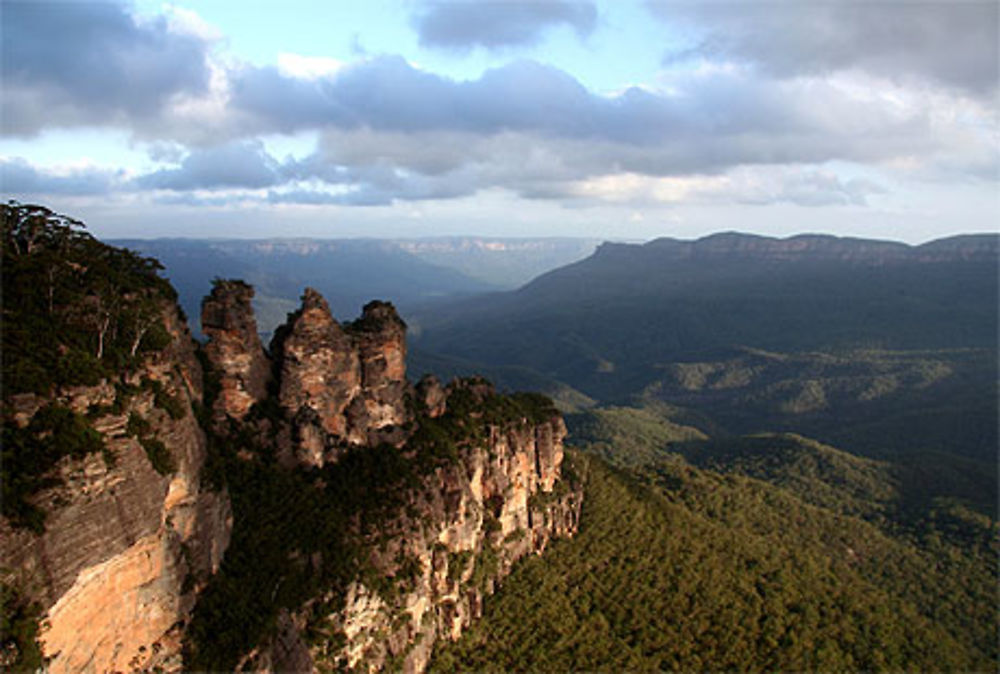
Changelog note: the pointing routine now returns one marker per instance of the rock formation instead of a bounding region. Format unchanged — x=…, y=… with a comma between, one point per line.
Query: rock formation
x=125, y=548
x=380, y=339
x=483, y=488
x=341, y=384
x=234, y=348
x=134, y=540
x=432, y=395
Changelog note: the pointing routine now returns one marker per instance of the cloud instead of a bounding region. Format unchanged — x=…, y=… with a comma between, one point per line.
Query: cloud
x=493, y=24
x=950, y=43
x=18, y=176
x=805, y=188
x=242, y=164
x=391, y=131
x=386, y=111
x=73, y=64
x=307, y=67
x=757, y=185
x=387, y=94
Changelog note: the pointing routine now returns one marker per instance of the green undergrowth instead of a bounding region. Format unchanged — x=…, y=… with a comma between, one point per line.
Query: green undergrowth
x=20, y=650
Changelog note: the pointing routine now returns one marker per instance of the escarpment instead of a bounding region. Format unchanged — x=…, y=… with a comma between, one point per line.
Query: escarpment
x=131, y=533
x=434, y=557
x=410, y=503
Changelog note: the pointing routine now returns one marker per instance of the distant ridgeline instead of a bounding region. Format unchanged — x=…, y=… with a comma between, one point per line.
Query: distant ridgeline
x=173, y=506
x=709, y=549
x=878, y=347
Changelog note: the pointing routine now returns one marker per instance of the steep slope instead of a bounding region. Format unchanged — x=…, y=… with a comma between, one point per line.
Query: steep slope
x=108, y=532
x=171, y=507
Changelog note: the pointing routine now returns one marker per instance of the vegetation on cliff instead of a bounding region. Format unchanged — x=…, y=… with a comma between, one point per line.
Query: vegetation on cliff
x=75, y=310
x=19, y=647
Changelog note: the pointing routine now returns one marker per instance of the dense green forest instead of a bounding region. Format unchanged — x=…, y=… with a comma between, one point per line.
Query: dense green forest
x=681, y=568
x=75, y=310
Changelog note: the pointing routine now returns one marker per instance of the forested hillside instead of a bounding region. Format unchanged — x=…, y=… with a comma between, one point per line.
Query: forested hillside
x=878, y=348
x=687, y=568
x=608, y=324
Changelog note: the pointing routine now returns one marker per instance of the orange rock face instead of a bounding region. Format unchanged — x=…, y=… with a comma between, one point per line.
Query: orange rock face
x=125, y=549
x=319, y=367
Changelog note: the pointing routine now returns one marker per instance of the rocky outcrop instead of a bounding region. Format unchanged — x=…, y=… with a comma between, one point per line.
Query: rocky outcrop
x=341, y=384
x=320, y=370
x=234, y=348
x=473, y=481
x=125, y=548
x=431, y=395
x=379, y=337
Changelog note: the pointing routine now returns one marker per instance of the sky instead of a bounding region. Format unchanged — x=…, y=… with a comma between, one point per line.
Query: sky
x=626, y=119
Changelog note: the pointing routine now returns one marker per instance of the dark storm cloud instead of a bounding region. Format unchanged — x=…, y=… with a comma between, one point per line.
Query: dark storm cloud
x=493, y=24
x=91, y=63
x=237, y=165
x=19, y=177
x=953, y=43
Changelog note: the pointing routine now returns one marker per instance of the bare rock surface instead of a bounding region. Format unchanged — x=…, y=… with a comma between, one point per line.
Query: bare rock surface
x=125, y=548
x=234, y=348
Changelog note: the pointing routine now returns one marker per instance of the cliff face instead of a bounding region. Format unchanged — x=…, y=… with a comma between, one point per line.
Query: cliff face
x=476, y=518
x=811, y=248
x=441, y=490
x=125, y=548
x=431, y=563
x=412, y=502
x=340, y=385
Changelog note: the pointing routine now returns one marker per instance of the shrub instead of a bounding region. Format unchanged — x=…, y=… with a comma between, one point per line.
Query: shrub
x=159, y=455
